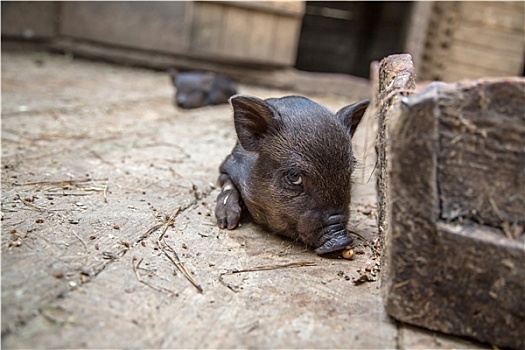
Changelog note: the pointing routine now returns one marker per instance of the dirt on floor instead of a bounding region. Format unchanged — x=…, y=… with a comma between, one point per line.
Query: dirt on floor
x=109, y=237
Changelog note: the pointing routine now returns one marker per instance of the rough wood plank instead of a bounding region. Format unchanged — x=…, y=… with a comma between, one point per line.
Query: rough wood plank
x=479, y=284
x=30, y=20
x=205, y=33
x=235, y=37
x=482, y=157
x=457, y=71
x=482, y=57
x=396, y=78
x=463, y=38
x=411, y=201
x=442, y=23
x=416, y=32
x=504, y=42
x=287, y=8
x=458, y=277
x=285, y=46
x=261, y=39
x=159, y=26
x=491, y=15
x=219, y=33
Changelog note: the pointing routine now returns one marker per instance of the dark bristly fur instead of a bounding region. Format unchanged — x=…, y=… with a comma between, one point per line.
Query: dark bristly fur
x=291, y=169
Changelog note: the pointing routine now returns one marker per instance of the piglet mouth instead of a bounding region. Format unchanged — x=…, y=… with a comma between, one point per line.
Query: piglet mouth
x=333, y=238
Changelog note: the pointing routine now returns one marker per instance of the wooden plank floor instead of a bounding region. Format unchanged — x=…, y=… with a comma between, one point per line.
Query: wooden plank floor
x=94, y=156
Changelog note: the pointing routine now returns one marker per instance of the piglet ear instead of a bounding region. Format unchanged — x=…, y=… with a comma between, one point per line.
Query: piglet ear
x=253, y=118
x=173, y=75
x=207, y=81
x=351, y=115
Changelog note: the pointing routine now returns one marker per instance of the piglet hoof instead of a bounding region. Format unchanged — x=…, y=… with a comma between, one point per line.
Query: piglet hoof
x=228, y=208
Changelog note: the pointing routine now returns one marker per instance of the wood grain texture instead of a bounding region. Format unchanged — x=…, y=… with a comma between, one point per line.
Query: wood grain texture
x=471, y=40
x=456, y=196
x=396, y=78
x=482, y=156
x=245, y=33
x=158, y=26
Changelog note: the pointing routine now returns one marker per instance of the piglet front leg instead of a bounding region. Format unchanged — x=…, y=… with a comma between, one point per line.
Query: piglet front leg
x=229, y=204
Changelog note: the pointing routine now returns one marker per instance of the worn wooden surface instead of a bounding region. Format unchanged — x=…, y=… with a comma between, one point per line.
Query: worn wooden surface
x=455, y=246
x=29, y=20
x=481, y=157
x=155, y=26
x=264, y=33
x=474, y=39
x=68, y=256
x=256, y=33
x=395, y=79
x=416, y=32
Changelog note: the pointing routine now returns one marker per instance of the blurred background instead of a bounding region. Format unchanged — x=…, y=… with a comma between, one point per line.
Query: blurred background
x=448, y=41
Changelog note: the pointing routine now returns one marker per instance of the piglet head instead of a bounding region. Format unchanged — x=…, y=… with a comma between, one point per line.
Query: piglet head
x=192, y=88
x=300, y=182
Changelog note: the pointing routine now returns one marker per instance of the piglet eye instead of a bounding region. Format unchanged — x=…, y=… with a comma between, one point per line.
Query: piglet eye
x=295, y=177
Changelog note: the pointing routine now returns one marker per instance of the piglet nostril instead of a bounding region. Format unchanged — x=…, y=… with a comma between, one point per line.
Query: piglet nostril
x=332, y=225
x=333, y=228
x=335, y=219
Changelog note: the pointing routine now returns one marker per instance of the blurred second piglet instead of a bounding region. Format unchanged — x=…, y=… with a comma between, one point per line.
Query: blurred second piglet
x=199, y=89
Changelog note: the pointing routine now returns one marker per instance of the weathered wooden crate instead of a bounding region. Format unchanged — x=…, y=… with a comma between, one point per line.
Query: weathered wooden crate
x=29, y=19
x=227, y=31
x=454, y=205
x=473, y=39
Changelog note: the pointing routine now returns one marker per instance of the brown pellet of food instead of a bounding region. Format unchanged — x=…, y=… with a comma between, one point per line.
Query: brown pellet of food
x=348, y=254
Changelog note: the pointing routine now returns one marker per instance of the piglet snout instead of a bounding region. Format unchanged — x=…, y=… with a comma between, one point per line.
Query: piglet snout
x=181, y=100
x=333, y=235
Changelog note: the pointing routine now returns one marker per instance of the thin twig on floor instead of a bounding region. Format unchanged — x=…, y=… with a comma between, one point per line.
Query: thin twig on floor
x=159, y=289
x=80, y=239
x=64, y=194
x=236, y=289
x=58, y=182
x=275, y=267
x=161, y=242
x=28, y=204
x=358, y=235
x=176, y=261
x=150, y=231
x=105, y=193
x=168, y=223
x=83, y=184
